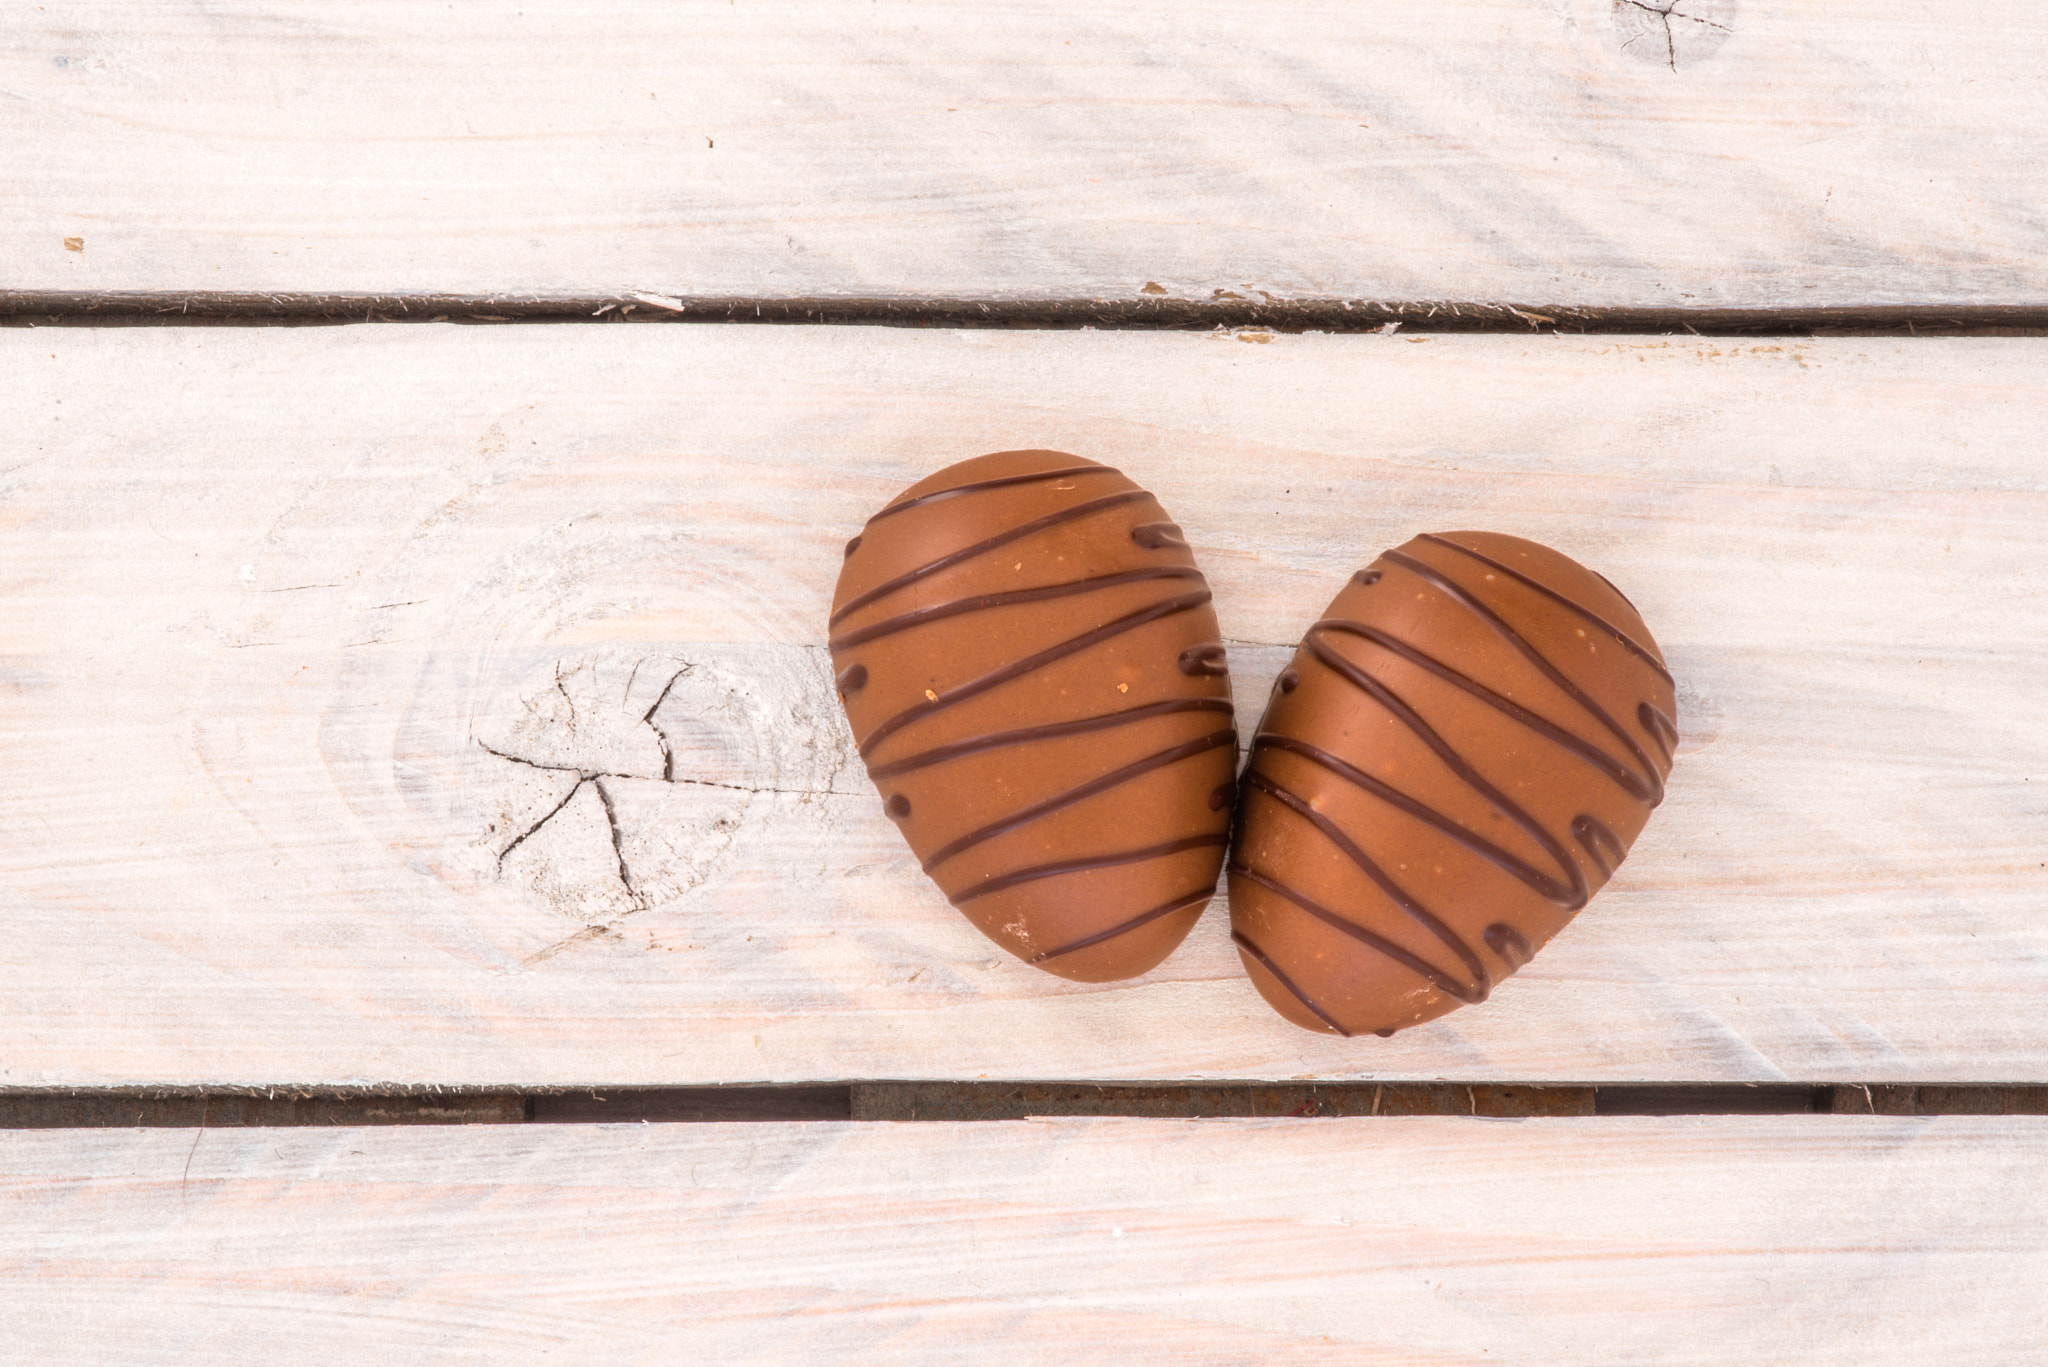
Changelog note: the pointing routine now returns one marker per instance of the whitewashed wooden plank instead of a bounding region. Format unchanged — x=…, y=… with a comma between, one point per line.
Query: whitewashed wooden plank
x=268, y=595
x=1527, y=151
x=1680, y=1241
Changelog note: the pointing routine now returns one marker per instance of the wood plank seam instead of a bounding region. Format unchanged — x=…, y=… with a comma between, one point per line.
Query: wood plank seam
x=1225, y=309
x=27, y=1109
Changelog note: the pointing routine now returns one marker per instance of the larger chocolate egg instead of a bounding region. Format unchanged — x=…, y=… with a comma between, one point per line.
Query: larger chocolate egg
x=1035, y=679
x=1459, y=755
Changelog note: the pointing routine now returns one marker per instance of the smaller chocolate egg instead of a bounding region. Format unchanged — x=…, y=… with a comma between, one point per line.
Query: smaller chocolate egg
x=1031, y=664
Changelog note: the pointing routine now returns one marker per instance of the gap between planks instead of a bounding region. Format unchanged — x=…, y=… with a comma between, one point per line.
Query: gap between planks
x=1224, y=309
x=958, y=1101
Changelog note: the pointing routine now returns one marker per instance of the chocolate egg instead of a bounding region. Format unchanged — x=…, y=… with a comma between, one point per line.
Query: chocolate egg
x=1032, y=668
x=1458, y=756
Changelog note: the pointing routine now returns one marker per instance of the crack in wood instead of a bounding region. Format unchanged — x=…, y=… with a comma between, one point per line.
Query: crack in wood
x=588, y=775
x=521, y=838
x=1664, y=14
x=668, y=759
x=611, y=819
x=641, y=869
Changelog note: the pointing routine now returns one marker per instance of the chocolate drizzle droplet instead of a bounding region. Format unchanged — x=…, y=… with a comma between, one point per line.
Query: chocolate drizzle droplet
x=1159, y=536
x=1205, y=660
x=1289, y=680
x=1365, y=579
x=851, y=678
x=851, y=547
x=1660, y=729
x=1603, y=845
x=1510, y=944
x=898, y=806
x=1222, y=797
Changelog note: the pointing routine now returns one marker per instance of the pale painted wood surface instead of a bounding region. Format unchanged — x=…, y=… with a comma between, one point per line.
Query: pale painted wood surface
x=1585, y=152
x=268, y=595
x=1816, y=1240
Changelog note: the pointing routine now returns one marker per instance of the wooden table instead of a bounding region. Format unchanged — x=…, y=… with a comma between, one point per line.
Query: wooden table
x=277, y=602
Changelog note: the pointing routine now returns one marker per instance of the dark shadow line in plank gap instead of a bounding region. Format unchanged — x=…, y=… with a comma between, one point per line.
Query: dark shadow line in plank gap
x=229, y=1108
x=47, y=308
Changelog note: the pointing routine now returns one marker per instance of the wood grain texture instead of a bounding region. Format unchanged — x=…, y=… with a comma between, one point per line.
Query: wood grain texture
x=1572, y=152
x=303, y=630
x=1818, y=1240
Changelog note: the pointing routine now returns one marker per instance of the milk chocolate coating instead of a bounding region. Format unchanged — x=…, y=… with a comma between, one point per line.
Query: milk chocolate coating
x=1459, y=755
x=1032, y=668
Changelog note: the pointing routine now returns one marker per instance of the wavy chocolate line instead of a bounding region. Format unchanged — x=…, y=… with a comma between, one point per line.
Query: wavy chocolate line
x=1073, y=645
x=1549, y=889
x=1421, y=966
x=1143, y=918
x=1536, y=657
x=999, y=483
x=1049, y=731
x=1159, y=759
x=1629, y=781
x=1455, y=762
x=1482, y=984
x=1069, y=514
x=1628, y=642
x=1244, y=943
x=889, y=626
x=1004, y=882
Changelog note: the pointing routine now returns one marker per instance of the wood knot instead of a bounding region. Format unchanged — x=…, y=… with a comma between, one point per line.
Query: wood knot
x=1673, y=34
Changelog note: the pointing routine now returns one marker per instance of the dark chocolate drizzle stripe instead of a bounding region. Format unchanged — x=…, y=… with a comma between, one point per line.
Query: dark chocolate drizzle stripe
x=1113, y=779
x=1548, y=888
x=1652, y=774
x=1628, y=642
x=1596, y=574
x=979, y=485
x=1051, y=730
x=1074, y=645
x=1244, y=943
x=1629, y=781
x=889, y=626
x=1398, y=895
x=1143, y=918
x=1455, y=762
x=1077, y=511
x=1005, y=882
